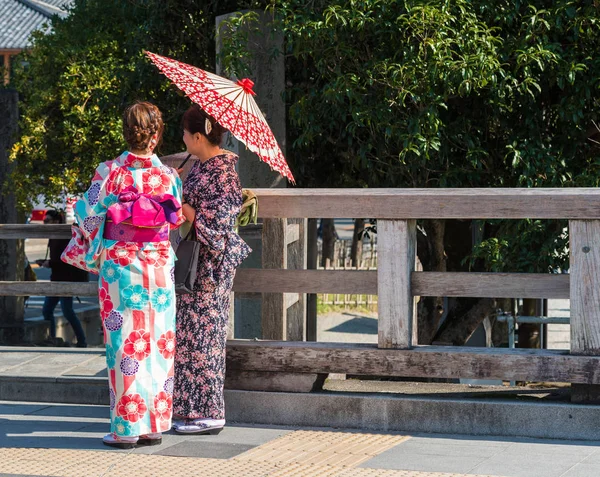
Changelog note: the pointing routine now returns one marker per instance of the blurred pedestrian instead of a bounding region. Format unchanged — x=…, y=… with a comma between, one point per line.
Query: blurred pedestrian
x=62, y=272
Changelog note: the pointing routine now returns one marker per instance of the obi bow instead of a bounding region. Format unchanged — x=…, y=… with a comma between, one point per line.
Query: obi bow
x=145, y=210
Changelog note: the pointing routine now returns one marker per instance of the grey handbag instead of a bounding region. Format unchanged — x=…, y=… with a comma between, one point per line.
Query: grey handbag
x=186, y=266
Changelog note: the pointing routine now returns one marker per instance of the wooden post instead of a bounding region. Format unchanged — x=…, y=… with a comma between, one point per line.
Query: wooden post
x=584, y=237
x=273, y=313
x=311, y=264
x=396, y=250
x=296, y=260
x=5, y=57
x=6, y=66
x=283, y=315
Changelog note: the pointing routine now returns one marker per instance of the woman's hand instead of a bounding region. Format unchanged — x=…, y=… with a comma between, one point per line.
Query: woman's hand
x=188, y=212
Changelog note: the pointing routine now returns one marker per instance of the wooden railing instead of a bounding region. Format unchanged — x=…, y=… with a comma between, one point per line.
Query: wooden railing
x=397, y=284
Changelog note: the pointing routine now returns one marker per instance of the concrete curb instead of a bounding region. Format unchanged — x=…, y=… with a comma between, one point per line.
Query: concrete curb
x=352, y=411
x=67, y=390
x=50, y=350
x=417, y=415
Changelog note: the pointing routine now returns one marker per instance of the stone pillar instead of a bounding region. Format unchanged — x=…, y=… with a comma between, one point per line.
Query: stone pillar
x=11, y=251
x=268, y=74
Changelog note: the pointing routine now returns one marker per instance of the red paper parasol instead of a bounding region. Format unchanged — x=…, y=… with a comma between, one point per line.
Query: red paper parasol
x=232, y=106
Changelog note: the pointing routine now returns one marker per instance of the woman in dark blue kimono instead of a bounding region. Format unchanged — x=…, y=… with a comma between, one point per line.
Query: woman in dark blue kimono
x=212, y=201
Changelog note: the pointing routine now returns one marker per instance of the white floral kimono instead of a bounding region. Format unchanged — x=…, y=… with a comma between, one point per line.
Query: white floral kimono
x=125, y=217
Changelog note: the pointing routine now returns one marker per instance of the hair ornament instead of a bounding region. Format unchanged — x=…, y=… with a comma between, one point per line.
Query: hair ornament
x=207, y=126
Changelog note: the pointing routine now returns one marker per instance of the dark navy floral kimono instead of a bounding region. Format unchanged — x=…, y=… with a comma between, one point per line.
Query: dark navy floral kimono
x=213, y=189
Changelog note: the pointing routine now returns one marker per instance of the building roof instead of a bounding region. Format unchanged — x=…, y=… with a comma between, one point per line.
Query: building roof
x=20, y=18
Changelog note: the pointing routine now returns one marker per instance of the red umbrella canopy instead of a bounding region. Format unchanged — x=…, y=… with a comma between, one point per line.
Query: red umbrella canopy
x=231, y=104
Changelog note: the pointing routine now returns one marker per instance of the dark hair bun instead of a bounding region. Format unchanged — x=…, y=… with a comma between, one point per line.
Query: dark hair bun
x=194, y=121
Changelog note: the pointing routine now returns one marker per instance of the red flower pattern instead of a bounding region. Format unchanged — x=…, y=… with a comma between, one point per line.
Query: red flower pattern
x=156, y=181
x=137, y=162
x=122, y=255
x=156, y=258
x=75, y=252
x=230, y=102
x=131, y=407
x=134, y=347
x=106, y=305
x=118, y=180
x=137, y=344
x=166, y=344
x=163, y=405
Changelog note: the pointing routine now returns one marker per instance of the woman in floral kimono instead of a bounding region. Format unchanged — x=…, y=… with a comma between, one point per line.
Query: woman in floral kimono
x=125, y=218
x=212, y=201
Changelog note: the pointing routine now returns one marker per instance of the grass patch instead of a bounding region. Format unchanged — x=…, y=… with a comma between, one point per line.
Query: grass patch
x=327, y=303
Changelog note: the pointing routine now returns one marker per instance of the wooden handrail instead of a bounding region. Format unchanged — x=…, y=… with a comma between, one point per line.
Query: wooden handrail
x=567, y=203
x=42, y=231
x=255, y=280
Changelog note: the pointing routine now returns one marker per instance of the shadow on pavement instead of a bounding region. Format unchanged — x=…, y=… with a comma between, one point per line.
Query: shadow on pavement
x=359, y=325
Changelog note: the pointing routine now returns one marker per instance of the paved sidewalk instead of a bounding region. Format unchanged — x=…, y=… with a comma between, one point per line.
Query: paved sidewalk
x=65, y=440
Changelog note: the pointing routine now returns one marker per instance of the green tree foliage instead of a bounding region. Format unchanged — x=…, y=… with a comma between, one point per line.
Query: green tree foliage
x=75, y=82
x=463, y=93
x=443, y=94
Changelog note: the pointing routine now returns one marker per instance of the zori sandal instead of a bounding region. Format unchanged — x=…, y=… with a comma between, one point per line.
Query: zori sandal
x=120, y=442
x=199, y=426
x=153, y=439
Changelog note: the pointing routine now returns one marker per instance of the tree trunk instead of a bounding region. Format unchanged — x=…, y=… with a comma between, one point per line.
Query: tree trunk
x=430, y=249
x=357, y=243
x=458, y=330
x=443, y=248
x=529, y=333
x=329, y=235
x=311, y=264
x=12, y=257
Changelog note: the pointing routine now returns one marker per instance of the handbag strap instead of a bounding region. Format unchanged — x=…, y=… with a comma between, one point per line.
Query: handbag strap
x=193, y=227
x=184, y=161
x=191, y=232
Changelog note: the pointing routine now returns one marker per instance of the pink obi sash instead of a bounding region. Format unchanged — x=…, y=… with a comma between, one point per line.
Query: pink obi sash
x=127, y=232
x=141, y=217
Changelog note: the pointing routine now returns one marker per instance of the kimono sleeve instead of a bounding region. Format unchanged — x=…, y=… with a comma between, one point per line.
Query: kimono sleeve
x=90, y=215
x=177, y=193
x=218, y=210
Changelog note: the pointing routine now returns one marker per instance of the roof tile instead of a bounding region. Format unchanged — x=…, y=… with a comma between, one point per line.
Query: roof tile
x=18, y=21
